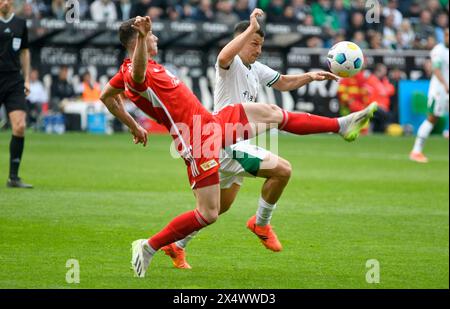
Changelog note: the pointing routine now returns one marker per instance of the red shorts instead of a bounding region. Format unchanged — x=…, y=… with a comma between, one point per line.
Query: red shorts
x=225, y=128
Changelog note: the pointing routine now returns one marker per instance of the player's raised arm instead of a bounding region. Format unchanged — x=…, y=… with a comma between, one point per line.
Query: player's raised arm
x=111, y=98
x=292, y=82
x=233, y=48
x=143, y=26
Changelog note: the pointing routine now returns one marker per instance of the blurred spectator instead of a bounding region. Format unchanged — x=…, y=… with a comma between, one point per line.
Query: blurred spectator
x=141, y=7
x=380, y=90
x=405, y=35
x=376, y=40
x=204, y=11
x=309, y=20
x=90, y=90
x=434, y=6
x=301, y=10
x=423, y=29
x=352, y=93
x=341, y=14
x=395, y=76
x=389, y=33
x=441, y=24
x=392, y=10
x=360, y=40
x=60, y=90
x=28, y=12
x=263, y=4
x=225, y=14
x=242, y=9
x=357, y=23
x=324, y=15
x=59, y=9
x=414, y=10
x=123, y=9
x=41, y=8
x=314, y=42
x=275, y=12
x=155, y=12
x=36, y=99
x=103, y=11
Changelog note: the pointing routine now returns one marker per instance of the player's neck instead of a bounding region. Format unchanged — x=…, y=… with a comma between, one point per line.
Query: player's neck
x=6, y=16
x=245, y=62
x=131, y=53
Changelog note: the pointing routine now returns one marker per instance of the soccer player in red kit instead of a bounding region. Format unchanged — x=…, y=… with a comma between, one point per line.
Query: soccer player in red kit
x=166, y=99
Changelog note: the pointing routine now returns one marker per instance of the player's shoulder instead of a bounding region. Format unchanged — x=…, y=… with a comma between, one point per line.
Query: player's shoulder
x=19, y=20
x=439, y=48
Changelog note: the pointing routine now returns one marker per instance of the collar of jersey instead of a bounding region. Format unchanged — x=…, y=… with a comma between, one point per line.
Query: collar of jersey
x=7, y=20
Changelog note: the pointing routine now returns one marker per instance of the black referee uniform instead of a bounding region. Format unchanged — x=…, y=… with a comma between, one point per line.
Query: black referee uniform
x=13, y=38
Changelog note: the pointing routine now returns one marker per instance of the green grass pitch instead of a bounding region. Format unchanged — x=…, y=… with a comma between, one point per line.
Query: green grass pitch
x=345, y=204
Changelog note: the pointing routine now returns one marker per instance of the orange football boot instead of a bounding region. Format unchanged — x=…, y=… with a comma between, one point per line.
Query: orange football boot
x=265, y=234
x=177, y=255
x=418, y=157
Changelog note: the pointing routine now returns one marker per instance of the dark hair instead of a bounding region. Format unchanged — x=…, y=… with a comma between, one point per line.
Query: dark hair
x=126, y=32
x=243, y=25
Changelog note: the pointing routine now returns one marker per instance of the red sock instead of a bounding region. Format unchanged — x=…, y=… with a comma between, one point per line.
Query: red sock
x=178, y=228
x=303, y=123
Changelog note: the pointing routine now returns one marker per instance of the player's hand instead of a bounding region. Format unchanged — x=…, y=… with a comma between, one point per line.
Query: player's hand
x=323, y=75
x=27, y=88
x=140, y=135
x=257, y=13
x=143, y=25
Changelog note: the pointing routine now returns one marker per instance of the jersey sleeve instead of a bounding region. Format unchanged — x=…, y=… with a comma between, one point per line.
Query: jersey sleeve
x=131, y=83
x=24, y=43
x=267, y=76
x=436, y=57
x=223, y=72
x=117, y=81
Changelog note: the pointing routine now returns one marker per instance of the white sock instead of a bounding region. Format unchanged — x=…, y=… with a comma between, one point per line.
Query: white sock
x=149, y=248
x=422, y=134
x=182, y=243
x=264, y=212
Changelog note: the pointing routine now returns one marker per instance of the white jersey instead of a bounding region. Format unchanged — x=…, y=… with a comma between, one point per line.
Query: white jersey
x=440, y=59
x=240, y=84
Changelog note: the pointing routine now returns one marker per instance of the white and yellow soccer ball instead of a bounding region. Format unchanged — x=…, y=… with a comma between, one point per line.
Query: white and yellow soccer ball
x=345, y=59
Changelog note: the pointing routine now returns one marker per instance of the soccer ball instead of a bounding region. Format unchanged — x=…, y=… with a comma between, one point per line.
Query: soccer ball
x=345, y=59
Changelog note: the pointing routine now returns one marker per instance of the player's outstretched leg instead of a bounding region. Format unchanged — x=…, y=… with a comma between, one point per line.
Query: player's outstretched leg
x=207, y=212
x=349, y=127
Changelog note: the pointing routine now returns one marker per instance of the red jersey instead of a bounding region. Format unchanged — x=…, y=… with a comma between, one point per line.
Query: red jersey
x=163, y=97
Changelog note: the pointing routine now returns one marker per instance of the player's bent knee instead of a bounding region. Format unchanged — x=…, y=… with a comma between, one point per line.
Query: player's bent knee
x=284, y=170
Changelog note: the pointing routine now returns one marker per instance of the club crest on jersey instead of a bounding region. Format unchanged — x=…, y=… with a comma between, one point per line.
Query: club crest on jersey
x=16, y=43
x=209, y=165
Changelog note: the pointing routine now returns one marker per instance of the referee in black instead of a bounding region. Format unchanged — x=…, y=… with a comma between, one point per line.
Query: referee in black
x=14, y=85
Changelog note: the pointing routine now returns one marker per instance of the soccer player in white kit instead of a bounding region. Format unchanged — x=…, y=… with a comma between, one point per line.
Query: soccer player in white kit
x=437, y=98
x=238, y=79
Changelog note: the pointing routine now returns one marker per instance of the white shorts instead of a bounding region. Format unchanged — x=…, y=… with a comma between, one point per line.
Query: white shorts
x=238, y=161
x=438, y=102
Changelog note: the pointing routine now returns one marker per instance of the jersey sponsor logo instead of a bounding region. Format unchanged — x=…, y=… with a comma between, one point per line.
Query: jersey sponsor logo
x=16, y=43
x=209, y=165
x=7, y=30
